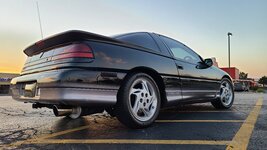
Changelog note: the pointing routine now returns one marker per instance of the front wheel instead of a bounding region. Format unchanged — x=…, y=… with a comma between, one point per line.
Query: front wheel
x=138, y=101
x=226, y=99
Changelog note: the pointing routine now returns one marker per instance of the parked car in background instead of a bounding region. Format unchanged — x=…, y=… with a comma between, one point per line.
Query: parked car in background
x=241, y=86
x=131, y=76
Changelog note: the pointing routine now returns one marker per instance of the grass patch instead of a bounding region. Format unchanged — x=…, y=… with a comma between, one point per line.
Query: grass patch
x=260, y=90
x=257, y=89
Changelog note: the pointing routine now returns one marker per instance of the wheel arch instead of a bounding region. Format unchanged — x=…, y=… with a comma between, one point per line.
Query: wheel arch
x=156, y=77
x=227, y=77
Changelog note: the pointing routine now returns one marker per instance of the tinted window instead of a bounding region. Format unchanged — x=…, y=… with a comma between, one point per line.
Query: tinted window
x=140, y=39
x=180, y=51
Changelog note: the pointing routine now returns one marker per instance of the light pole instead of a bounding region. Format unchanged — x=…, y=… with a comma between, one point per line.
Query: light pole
x=229, y=34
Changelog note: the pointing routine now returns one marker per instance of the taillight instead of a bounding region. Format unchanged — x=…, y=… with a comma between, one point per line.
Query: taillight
x=73, y=51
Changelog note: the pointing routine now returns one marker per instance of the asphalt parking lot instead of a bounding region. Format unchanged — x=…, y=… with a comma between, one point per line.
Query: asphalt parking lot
x=197, y=126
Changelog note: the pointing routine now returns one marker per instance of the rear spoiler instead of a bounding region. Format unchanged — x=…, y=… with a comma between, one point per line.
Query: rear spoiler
x=65, y=37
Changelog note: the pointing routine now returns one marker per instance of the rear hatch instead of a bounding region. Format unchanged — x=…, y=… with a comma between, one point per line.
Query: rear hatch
x=67, y=49
x=71, y=54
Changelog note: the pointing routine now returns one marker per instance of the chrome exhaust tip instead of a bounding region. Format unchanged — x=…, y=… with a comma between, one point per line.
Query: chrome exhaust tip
x=62, y=111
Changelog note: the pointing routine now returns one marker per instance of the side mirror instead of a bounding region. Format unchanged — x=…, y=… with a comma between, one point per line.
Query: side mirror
x=208, y=62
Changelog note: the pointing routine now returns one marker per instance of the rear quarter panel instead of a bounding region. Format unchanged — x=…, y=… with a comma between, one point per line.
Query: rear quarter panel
x=117, y=58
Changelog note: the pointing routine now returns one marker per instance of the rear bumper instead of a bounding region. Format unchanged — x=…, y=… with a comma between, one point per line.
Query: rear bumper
x=68, y=87
x=69, y=96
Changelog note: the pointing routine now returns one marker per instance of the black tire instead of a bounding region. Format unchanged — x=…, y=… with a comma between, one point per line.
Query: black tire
x=218, y=103
x=123, y=108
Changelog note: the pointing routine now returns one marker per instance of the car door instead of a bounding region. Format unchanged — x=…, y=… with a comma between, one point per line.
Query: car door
x=197, y=81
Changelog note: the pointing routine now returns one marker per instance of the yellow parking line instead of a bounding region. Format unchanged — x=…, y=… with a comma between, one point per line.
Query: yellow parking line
x=64, y=132
x=43, y=138
x=49, y=135
x=204, y=121
x=241, y=139
x=127, y=141
x=201, y=111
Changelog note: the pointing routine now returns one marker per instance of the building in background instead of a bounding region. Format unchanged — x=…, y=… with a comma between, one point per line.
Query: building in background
x=5, y=79
x=232, y=71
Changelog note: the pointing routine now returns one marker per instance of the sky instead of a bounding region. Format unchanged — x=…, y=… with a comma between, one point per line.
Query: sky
x=200, y=24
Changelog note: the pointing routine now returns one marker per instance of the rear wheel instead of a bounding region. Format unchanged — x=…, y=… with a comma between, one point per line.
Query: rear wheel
x=226, y=99
x=138, y=101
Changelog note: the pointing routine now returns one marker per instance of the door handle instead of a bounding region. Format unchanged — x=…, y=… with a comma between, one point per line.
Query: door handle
x=180, y=67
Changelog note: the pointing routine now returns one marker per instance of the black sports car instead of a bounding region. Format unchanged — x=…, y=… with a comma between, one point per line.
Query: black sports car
x=131, y=76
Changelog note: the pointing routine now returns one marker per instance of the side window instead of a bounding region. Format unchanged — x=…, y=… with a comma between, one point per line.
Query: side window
x=140, y=39
x=180, y=51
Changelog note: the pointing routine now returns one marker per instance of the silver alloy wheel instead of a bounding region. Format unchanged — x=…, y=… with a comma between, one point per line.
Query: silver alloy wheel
x=76, y=113
x=226, y=93
x=143, y=99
